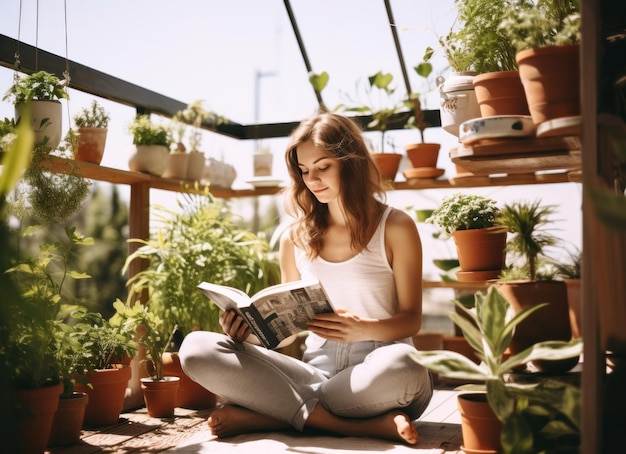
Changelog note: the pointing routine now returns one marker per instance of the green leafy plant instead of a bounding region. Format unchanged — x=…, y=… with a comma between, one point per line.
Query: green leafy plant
x=94, y=117
x=528, y=222
x=154, y=333
x=39, y=86
x=572, y=267
x=465, y=211
x=198, y=242
x=147, y=132
x=542, y=23
x=475, y=42
x=380, y=103
x=535, y=416
x=194, y=115
x=38, y=318
x=414, y=100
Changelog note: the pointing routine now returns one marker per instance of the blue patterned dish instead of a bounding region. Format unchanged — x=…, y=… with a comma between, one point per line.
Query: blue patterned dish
x=500, y=126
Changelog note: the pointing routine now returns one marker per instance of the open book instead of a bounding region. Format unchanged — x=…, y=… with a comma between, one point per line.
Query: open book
x=276, y=312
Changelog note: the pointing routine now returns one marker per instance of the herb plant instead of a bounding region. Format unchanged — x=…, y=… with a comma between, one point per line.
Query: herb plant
x=146, y=132
x=39, y=86
x=94, y=117
x=465, y=211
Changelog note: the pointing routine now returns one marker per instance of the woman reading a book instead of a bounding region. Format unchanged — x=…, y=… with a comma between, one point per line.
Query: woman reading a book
x=357, y=376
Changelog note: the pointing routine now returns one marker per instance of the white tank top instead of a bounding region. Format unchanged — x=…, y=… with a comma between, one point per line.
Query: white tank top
x=363, y=284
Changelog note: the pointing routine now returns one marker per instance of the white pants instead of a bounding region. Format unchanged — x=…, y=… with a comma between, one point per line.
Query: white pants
x=360, y=379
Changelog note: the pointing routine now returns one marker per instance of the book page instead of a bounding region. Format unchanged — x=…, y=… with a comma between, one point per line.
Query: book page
x=225, y=297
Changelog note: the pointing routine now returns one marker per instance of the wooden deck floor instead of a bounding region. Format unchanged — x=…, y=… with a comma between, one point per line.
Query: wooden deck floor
x=439, y=429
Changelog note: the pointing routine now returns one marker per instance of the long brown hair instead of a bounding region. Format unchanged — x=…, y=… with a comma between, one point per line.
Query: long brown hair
x=362, y=188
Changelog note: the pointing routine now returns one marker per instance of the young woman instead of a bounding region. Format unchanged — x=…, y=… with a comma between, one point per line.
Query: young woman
x=357, y=376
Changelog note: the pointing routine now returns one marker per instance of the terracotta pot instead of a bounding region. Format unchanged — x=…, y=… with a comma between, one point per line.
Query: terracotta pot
x=91, y=143
x=35, y=421
x=160, y=396
x=106, y=395
x=480, y=426
x=195, y=169
x=500, y=93
x=47, y=119
x=150, y=159
x=552, y=322
x=190, y=394
x=68, y=420
x=574, y=300
x=423, y=154
x=457, y=99
x=177, y=166
x=480, y=249
x=388, y=164
x=551, y=79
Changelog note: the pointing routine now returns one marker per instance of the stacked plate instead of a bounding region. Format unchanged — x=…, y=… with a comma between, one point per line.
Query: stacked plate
x=496, y=127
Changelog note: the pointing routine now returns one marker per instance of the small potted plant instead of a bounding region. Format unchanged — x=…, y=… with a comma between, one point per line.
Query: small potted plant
x=546, y=37
x=421, y=155
x=42, y=91
x=534, y=415
x=472, y=221
x=92, y=127
x=152, y=143
x=110, y=345
x=155, y=335
x=526, y=282
x=570, y=271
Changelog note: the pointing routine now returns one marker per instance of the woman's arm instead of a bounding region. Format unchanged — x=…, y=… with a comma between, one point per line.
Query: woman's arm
x=286, y=255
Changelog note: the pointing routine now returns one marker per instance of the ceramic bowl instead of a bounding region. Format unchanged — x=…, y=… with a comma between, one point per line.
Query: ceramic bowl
x=496, y=127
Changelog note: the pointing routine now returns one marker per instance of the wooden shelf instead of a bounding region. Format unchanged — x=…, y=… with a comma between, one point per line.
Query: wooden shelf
x=456, y=285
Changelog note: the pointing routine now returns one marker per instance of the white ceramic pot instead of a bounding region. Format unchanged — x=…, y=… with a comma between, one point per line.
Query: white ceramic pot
x=195, y=169
x=47, y=117
x=457, y=101
x=177, y=166
x=150, y=159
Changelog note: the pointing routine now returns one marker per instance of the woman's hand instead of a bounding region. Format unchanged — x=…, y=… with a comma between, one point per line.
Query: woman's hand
x=342, y=326
x=234, y=326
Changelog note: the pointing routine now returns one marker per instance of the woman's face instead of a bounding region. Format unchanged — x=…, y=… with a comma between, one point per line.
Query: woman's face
x=320, y=172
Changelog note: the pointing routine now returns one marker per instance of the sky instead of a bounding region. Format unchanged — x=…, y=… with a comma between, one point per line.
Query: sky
x=212, y=50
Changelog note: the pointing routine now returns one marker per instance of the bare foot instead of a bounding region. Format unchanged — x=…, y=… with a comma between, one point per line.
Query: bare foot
x=393, y=426
x=229, y=421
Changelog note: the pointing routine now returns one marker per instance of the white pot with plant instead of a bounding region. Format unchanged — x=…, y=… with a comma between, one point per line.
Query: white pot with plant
x=152, y=141
x=42, y=91
x=92, y=127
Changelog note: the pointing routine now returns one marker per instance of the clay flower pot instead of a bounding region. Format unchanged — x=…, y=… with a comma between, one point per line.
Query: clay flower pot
x=423, y=154
x=91, y=143
x=480, y=427
x=35, y=422
x=160, y=396
x=500, y=93
x=106, y=395
x=68, y=420
x=388, y=164
x=480, y=249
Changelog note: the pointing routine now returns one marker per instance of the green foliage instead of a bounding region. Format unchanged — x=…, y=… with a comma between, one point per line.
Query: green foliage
x=465, y=211
x=155, y=333
x=528, y=222
x=544, y=23
x=147, y=132
x=476, y=43
x=535, y=415
x=194, y=114
x=414, y=100
x=572, y=268
x=39, y=86
x=379, y=102
x=37, y=318
x=94, y=117
x=199, y=242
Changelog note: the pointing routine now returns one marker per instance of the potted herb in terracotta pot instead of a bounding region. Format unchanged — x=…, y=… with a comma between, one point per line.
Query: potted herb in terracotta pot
x=379, y=86
x=155, y=335
x=110, y=345
x=422, y=155
x=42, y=91
x=480, y=240
x=151, y=142
x=526, y=282
x=546, y=37
x=92, y=126
x=534, y=415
